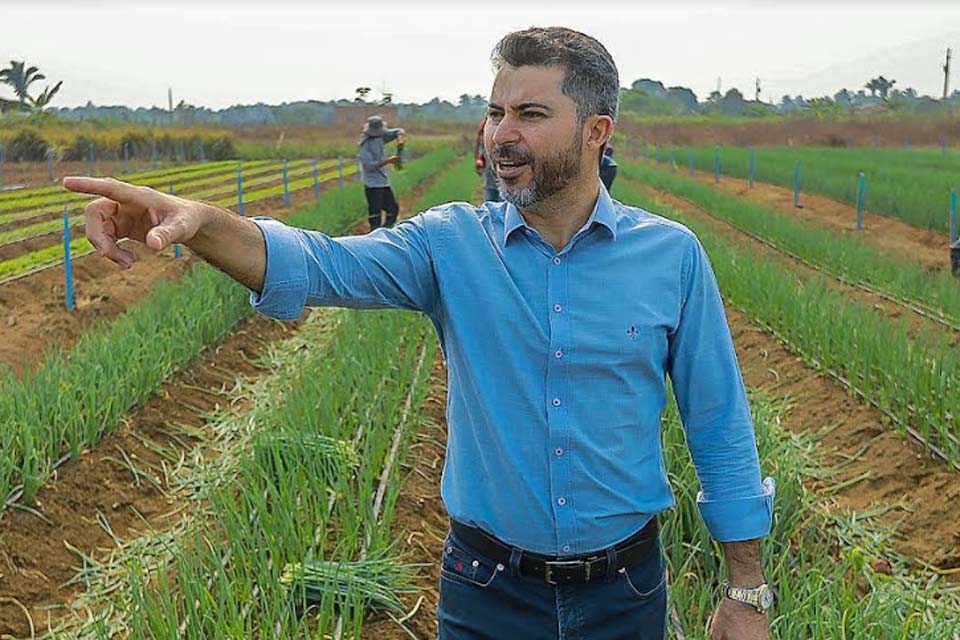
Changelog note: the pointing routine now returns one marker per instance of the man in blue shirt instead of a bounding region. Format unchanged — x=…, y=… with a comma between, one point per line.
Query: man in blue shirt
x=561, y=313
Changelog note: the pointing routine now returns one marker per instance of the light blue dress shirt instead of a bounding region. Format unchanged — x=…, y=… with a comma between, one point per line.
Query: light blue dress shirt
x=557, y=364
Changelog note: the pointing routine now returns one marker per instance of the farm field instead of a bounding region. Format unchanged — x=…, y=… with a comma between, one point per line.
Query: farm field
x=909, y=185
x=180, y=468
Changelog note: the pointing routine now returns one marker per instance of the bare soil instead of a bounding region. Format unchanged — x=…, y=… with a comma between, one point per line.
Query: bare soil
x=887, y=233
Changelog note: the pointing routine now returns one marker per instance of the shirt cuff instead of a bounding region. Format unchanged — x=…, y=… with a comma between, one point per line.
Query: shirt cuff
x=285, y=284
x=738, y=519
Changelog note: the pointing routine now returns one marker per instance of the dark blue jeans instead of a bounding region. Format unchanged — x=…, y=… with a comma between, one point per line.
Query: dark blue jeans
x=481, y=599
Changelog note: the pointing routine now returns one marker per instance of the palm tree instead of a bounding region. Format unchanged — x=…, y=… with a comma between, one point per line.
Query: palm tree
x=18, y=76
x=44, y=98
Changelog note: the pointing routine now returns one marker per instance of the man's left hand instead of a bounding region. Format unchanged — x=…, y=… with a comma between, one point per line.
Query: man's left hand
x=736, y=621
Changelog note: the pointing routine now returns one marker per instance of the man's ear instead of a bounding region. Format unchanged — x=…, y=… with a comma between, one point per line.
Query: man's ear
x=598, y=130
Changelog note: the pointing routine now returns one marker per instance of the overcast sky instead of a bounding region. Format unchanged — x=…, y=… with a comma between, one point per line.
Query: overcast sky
x=218, y=53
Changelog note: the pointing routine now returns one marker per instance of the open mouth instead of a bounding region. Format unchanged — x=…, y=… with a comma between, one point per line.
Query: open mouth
x=510, y=168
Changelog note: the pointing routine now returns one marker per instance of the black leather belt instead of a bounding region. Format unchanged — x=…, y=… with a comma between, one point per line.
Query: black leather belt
x=555, y=570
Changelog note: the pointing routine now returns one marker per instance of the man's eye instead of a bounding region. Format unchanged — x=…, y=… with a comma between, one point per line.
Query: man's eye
x=533, y=114
x=494, y=116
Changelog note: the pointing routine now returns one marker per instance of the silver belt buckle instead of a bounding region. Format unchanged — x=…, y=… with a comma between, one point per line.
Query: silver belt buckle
x=550, y=564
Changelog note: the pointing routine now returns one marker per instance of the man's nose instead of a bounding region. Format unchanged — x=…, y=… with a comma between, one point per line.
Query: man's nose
x=506, y=131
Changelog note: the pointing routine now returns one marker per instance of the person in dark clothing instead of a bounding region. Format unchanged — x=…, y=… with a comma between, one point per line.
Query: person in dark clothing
x=491, y=189
x=374, y=165
x=608, y=167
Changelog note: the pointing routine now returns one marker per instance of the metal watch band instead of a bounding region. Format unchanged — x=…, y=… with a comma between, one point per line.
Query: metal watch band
x=750, y=597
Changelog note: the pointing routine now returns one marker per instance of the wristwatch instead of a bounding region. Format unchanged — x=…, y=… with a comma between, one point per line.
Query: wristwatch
x=761, y=598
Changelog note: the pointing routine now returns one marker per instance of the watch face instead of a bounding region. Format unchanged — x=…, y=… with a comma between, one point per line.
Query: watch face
x=766, y=598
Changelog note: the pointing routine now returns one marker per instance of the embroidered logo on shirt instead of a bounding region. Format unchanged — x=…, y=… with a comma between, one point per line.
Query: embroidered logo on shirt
x=632, y=332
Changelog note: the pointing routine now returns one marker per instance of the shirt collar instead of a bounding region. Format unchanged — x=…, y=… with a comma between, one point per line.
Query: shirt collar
x=603, y=213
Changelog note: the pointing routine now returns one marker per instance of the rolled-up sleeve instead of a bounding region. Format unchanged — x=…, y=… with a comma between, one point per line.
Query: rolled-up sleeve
x=703, y=367
x=389, y=268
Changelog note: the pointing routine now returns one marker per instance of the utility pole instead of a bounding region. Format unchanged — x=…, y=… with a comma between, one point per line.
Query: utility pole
x=946, y=76
x=757, y=97
x=170, y=103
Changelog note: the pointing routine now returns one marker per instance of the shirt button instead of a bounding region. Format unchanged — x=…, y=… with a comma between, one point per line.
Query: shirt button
x=556, y=260
x=566, y=548
x=556, y=402
x=559, y=353
x=561, y=501
x=557, y=308
x=558, y=451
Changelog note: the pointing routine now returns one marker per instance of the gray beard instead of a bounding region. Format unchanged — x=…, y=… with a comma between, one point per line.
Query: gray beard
x=549, y=177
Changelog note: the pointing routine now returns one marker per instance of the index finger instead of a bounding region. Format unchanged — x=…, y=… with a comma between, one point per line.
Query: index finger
x=107, y=187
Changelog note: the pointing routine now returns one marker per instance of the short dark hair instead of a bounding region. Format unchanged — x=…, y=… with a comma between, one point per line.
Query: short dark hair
x=590, y=75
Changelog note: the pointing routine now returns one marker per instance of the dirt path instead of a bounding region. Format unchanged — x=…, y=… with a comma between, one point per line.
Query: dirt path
x=35, y=561
x=885, y=232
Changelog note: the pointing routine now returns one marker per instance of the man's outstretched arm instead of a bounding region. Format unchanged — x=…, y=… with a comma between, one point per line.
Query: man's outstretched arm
x=231, y=243
x=286, y=268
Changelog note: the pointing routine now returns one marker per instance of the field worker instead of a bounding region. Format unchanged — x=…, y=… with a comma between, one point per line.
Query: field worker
x=491, y=190
x=608, y=167
x=374, y=163
x=560, y=312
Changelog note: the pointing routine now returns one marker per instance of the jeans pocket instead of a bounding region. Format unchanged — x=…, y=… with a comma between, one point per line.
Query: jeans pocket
x=463, y=566
x=645, y=580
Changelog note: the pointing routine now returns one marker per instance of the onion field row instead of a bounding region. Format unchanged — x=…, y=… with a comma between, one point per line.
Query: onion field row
x=912, y=185
x=262, y=188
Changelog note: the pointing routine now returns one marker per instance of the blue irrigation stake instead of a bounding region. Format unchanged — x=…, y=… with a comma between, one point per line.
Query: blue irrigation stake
x=286, y=185
x=796, y=183
x=203, y=152
x=753, y=167
x=91, y=160
x=316, y=179
x=176, y=245
x=153, y=153
x=67, y=262
x=716, y=165
x=646, y=152
x=1, y=165
x=50, y=164
x=126, y=155
x=861, y=199
x=240, y=208
x=340, y=168
x=673, y=158
x=691, y=161
x=656, y=153
x=954, y=229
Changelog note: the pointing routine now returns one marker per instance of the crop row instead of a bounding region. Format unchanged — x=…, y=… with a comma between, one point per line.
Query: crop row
x=218, y=179
x=918, y=194
x=52, y=255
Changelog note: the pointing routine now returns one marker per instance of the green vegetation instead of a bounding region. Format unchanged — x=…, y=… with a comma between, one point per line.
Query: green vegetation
x=913, y=185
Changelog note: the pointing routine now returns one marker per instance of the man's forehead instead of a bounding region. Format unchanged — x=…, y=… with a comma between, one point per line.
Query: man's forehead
x=519, y=85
